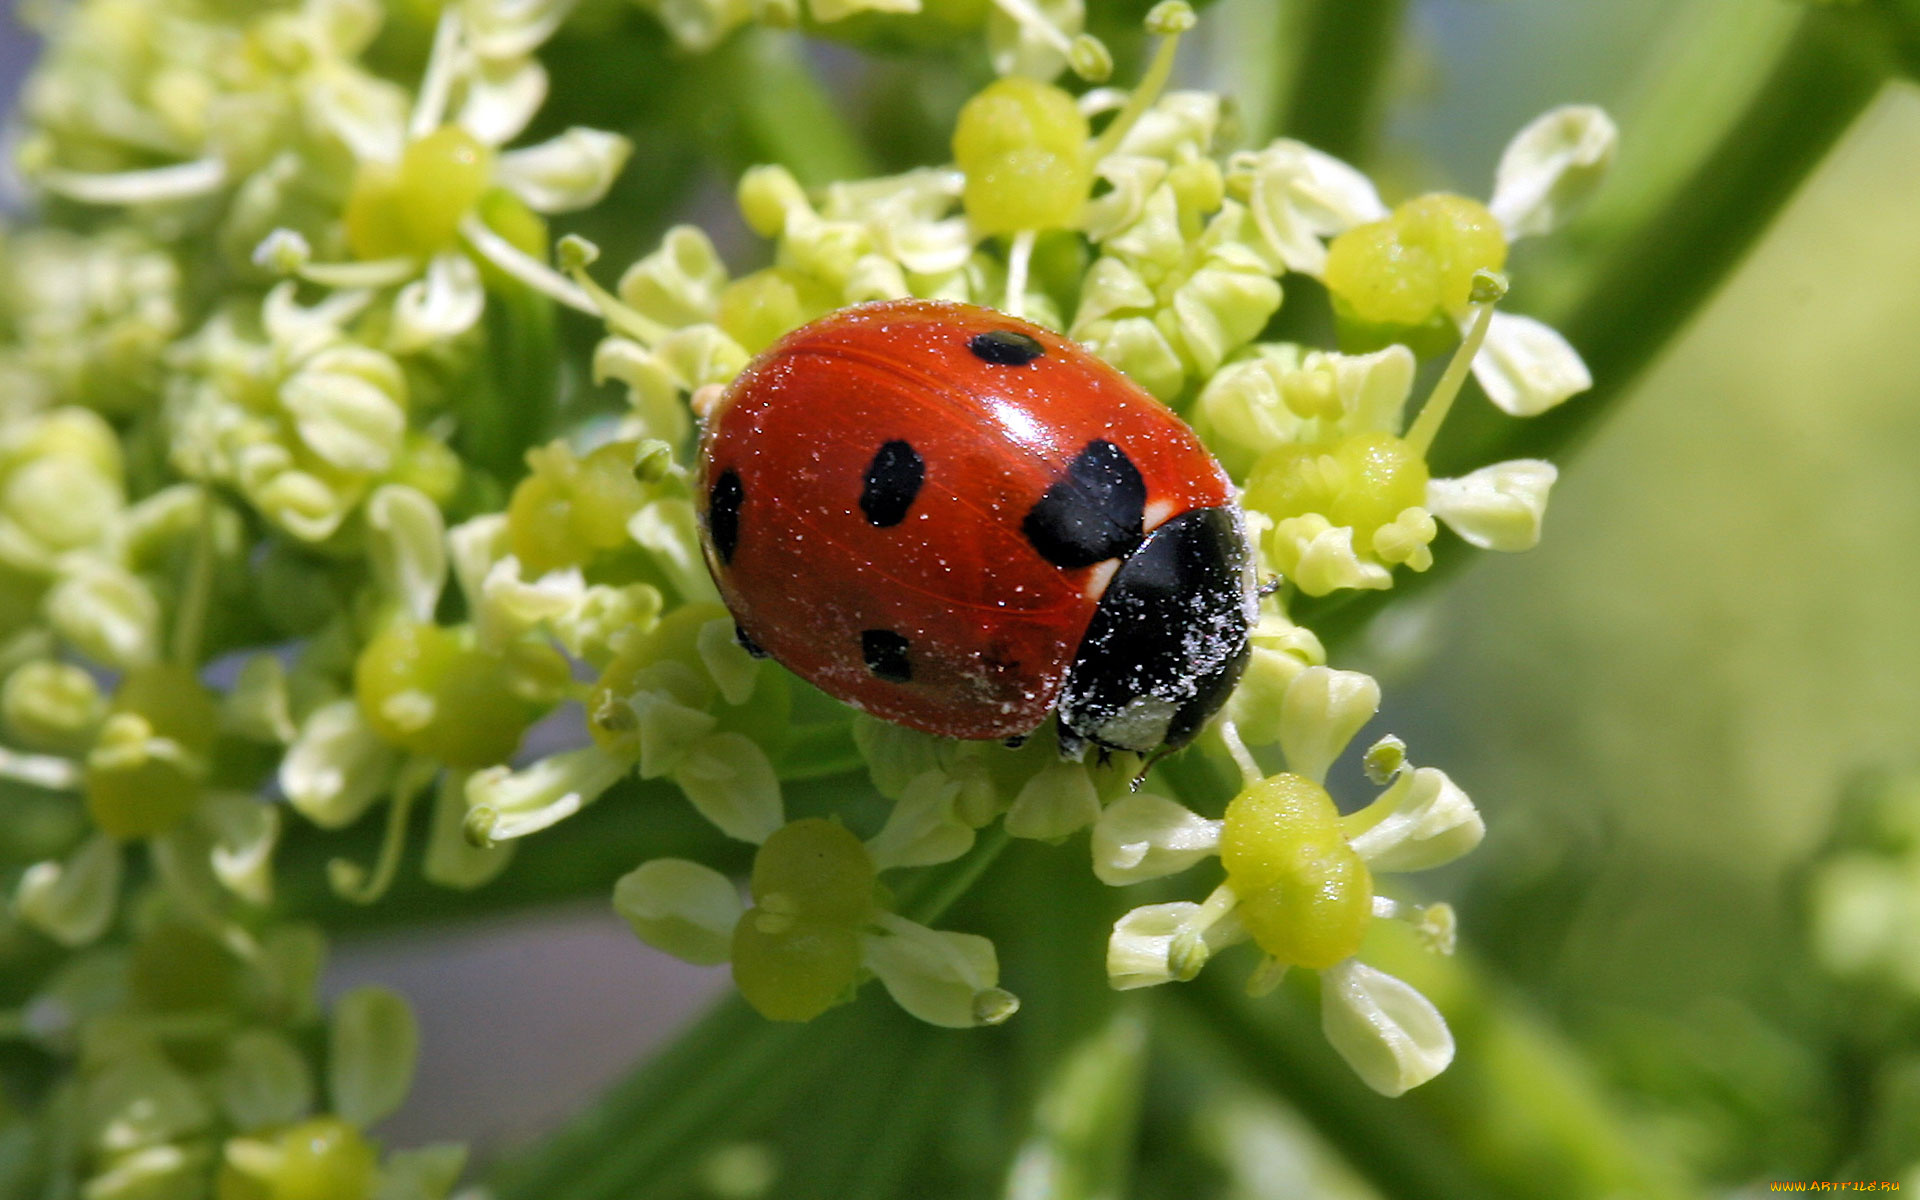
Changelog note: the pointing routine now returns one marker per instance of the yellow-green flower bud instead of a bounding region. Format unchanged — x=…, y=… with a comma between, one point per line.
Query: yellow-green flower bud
x=1416, y=267
x=571, y=508
x=1304, y=895
x=816, y=870
x=1365, y=482
x=321, y=1159
x=793, y=969
x=756, y=310
x=1023, y=146
x=436, y=691
x=52, y=706
x=412, y=208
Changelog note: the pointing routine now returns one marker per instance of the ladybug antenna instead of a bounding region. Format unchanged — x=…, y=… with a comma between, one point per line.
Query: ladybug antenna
x=576, y=254
x=1147, y=764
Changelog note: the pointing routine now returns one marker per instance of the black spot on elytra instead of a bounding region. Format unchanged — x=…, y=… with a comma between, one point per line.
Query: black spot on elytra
x=746, y=643
x=886, y=655
x=893, y=481
x=1005, y=347
x=723, y=513
x=1093, y=514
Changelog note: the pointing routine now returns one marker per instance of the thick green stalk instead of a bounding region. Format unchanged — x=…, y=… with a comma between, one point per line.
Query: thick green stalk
x=1663, y=271
x=1516, y=1116
x=1347, y=52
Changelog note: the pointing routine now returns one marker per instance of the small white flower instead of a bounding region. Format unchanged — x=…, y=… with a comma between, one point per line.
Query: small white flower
x=543, y=793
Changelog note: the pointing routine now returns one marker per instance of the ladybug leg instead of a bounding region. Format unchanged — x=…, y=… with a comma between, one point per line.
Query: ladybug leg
x=1270, y=585
x=746, y=643
x=1073, y=747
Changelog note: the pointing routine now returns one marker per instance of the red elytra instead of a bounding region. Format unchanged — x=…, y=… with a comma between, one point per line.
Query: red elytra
x=902, y=502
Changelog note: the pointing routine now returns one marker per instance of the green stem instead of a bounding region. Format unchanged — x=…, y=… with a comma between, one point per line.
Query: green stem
x=936, y=892
x=783, y=113
x=1558, y=1138
x=1349, y=51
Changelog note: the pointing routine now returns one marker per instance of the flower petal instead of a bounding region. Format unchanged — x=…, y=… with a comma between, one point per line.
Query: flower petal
x=443, y=305
x=565, y=173
x=1551, y=167
x=943, y=978
x=72, y=902
x=1143, y=836
x=502, y=97
x=1526, y=367
x=1500, y=507
x=408, y=548
x=1319, y=714
x=1390, y=1034
x=337, y=766
x=1422, y=821
x=728, y=778
x=683, y=908
x=922, y=829
x=1057, y=801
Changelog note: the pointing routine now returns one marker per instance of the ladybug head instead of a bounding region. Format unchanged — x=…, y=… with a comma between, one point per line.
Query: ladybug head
x=1169, y=640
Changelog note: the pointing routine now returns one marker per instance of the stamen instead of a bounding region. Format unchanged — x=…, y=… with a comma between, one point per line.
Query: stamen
x=47, y=771
x=525, y=268
x=182, y=181
x=1488, y=288
x=436, y=85
x=576, y=255
x=352, y=882
x=190, y=620
x=1250, y=772
x=1019, y=258
x=1169, y=20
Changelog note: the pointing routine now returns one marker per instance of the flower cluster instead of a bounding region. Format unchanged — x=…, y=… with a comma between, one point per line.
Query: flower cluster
x=281, y=544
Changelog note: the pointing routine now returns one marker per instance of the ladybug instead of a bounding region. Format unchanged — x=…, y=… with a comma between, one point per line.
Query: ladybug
x=960, y=522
